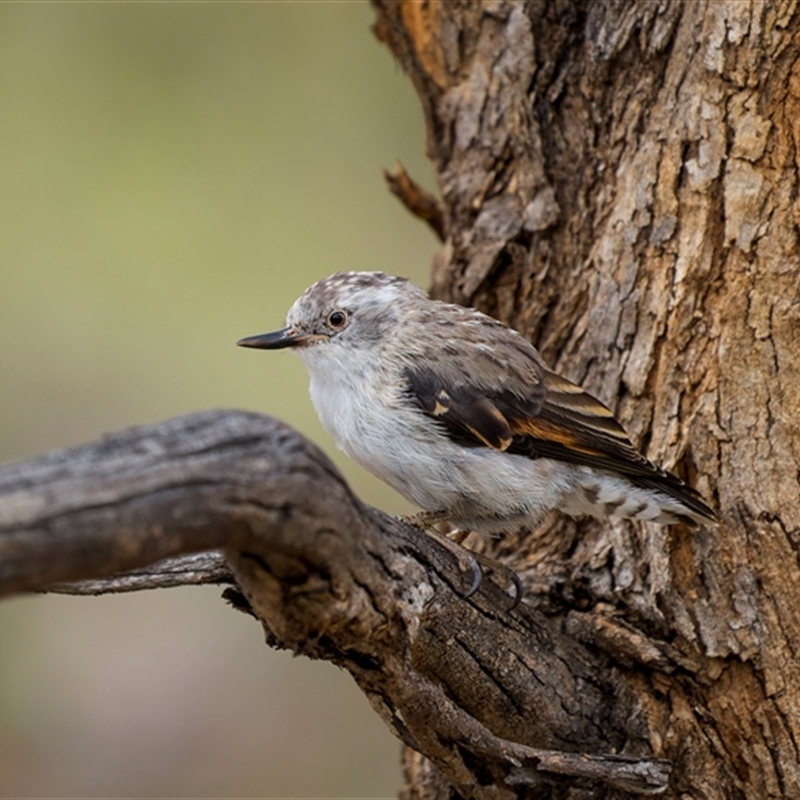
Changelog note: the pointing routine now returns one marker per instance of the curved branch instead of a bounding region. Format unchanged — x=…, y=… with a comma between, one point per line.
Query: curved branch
x=494, y=698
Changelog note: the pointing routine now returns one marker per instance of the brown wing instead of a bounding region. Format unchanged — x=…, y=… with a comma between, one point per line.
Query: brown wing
x=559, y=420
x=475, y=361
x=554, y=419
x=573, y=426
x=466, y=414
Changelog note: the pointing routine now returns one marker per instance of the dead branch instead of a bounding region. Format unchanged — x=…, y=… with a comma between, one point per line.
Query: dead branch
x=420, y=202
x=496, y=699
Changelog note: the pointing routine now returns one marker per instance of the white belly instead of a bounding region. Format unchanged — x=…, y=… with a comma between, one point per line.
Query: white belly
x=484, y=489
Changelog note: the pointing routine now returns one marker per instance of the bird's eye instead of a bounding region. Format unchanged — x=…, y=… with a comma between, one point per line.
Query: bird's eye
x=337, y=320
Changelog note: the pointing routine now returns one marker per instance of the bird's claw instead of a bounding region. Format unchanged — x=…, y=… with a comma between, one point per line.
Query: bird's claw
x=471, y=562
x=511, y=577
x=519, y=590
x=477, y=576
x=468, y=562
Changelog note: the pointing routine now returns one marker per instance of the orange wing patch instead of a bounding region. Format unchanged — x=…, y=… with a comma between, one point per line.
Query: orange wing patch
x=551, y=432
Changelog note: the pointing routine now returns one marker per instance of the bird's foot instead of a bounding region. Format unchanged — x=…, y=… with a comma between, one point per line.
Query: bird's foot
x=468, y=562
x=492, y=567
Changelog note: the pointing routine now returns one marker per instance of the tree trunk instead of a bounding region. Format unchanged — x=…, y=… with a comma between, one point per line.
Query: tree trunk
x=619, y=183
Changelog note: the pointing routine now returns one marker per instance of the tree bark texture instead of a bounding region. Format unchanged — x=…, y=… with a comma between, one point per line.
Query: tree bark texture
x=619, y=181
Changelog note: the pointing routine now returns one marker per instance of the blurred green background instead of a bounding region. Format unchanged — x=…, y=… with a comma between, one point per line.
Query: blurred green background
x=172, y=176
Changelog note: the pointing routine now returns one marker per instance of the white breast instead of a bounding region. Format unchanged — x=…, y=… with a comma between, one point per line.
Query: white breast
x=354, y=400
x=370, y=419
x=364, y=417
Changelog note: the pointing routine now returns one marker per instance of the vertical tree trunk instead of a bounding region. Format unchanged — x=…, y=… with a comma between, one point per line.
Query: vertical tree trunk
x=619, y=182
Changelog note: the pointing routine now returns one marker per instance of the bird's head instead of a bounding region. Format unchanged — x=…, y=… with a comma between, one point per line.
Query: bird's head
x=347, y=313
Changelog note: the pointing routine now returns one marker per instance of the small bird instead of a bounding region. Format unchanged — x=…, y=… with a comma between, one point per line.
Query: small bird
x=460, y=415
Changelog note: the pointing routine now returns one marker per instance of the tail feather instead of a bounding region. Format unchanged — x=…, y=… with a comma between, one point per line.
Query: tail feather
x=662, y=498
x=697, y=511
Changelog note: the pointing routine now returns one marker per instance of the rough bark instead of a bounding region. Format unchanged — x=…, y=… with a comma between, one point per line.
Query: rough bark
x=619, y=182
x=498, y=699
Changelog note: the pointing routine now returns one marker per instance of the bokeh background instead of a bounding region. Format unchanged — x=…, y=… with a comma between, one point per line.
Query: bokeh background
x=171, y=177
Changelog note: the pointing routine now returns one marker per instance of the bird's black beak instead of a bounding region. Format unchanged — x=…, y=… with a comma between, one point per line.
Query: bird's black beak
x=288, y=337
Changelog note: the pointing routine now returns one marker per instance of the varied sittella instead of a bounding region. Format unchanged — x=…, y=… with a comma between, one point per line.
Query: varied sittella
x=460, y=415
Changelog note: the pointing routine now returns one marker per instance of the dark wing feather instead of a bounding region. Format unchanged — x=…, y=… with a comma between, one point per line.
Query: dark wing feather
x=468, y=416
x=463, y=375
x=556, y=420
x=573, y=426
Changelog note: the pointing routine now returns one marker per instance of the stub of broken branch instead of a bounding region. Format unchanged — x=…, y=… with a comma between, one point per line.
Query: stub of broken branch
x=493, y=698
x=419, y=201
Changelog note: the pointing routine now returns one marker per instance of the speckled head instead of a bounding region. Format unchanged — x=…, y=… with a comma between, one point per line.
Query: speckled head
x=357, y=309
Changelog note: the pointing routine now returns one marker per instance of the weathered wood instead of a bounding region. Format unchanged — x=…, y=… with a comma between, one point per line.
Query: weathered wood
x=420, y=202
x=497, y=699
x=618, y=181
x=196, y=569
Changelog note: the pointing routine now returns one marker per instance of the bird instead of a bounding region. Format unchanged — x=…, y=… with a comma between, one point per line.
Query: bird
x=460, y=414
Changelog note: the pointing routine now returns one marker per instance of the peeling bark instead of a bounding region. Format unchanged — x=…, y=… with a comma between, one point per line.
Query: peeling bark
x=619, y=182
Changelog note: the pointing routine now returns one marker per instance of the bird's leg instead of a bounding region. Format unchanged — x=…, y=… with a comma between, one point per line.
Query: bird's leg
x=467, y=560
x=425, y=521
